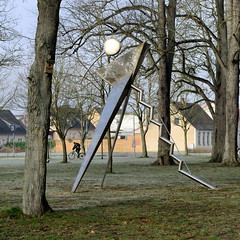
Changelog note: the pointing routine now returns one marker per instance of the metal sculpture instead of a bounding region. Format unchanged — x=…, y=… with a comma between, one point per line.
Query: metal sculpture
x=120, y=74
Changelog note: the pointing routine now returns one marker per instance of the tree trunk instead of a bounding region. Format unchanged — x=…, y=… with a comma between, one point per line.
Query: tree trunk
x=83, y=134
x=143, y=139
x=220, y=91
x=166, y=50
x=82, y=142
x=219, y=123
x=185, y=141
x=232, y=82
x=39, y=99
x=64, y=150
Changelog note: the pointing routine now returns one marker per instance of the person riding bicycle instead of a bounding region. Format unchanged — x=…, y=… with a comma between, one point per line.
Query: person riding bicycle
x=77, y=148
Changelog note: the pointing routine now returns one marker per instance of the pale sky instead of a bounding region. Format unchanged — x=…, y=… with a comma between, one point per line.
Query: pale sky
x=25, y=12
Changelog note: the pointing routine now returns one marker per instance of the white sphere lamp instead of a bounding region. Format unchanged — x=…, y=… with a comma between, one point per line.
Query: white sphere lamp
x=111, y=46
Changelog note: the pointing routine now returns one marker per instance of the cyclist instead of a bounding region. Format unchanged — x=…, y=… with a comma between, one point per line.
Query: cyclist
x=77, y=148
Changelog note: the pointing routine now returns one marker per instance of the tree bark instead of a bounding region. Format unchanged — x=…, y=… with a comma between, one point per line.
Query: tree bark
x=82, y=142
x=64, y=150
x=232, y=82
x=39, y=100
x=143, y=139
x=186, y=141
x=220, y=88
x=166, y=50
x=219, y=123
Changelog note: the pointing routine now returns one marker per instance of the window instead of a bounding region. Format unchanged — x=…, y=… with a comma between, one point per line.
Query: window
x=203, y=139
x=199, y=138
x=208, y=138
x=122, y=137
x=176, y=121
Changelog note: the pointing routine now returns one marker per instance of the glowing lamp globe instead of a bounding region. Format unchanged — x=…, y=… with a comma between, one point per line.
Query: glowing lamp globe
x=111, y=46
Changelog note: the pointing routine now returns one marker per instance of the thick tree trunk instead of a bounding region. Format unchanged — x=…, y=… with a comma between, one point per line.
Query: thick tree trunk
x=164, y=116
x=219, y=123
x=232, y=82
x=230, y=153
x=39, y=99
x=220, y=91
x=166, y=50
x=64, y=147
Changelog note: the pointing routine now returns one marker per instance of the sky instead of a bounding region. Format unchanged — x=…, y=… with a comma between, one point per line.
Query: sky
x=25, y=11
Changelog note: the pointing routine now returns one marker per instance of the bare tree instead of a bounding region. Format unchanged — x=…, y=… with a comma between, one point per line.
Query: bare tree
x=165, y=46
x=200, y=73
x=231, y=72
x=20, y=97
x=185, y=113
x=85, y=107
x=9, y=54
x=149, y=86
x=7, y=94
x=39, y=100
x=63, y=114
x=210, y=49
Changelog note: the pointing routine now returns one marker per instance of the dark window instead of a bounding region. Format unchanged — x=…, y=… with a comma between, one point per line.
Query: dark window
x=176, y=121
x=199, y=138
x=203, y=138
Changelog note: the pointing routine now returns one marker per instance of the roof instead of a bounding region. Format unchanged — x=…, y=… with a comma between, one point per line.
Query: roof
x=195, y=115
x=9, y=124
x=88, y=124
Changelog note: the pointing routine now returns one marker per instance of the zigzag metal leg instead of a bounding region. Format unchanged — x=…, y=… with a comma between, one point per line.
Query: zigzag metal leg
x=161, y=124
x=166, y=140
x=197, y=179
x=156, y=122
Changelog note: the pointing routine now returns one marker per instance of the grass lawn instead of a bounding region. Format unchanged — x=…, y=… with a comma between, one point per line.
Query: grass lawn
x=138, y=201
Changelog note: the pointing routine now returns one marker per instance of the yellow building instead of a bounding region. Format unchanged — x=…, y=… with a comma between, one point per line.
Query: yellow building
x=190, y=125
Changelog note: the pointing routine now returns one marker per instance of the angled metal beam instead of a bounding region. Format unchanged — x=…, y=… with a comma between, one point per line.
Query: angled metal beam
x=114, y=101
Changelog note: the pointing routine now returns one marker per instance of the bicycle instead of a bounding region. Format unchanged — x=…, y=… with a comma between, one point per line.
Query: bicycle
x=72, y=155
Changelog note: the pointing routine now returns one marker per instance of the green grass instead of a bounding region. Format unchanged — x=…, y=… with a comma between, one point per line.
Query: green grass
x=138, y=201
